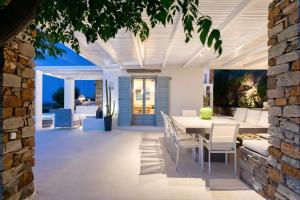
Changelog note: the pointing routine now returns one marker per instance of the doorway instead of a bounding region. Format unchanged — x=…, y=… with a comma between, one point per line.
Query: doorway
x=143, y=102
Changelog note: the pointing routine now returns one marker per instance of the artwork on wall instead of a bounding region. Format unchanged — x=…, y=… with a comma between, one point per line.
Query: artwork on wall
x=148, y=94
x=138, y=95
x=240, y=88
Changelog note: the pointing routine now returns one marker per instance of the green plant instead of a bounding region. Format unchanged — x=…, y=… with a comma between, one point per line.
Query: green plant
x=262, y=87
x=53, y=21
x=58, y=96
x=206, y=101
x=110, y=108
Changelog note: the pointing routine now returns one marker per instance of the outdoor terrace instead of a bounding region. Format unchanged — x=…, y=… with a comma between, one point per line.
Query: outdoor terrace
x=130, y=163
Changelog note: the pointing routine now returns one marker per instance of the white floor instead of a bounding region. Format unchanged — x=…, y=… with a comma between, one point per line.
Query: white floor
x=124, y=164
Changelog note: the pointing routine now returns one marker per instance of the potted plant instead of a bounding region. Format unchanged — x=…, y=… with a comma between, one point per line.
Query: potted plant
x=110, y=108
x=99, y=113
x=206, y=112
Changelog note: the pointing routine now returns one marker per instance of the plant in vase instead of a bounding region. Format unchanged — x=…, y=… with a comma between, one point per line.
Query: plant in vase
x=206, y=112
x=110, y=108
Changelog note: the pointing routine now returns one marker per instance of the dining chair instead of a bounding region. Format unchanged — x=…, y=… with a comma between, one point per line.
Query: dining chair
x=189, y=113
x=167, y=134
x=222, y=139
x=185, y=143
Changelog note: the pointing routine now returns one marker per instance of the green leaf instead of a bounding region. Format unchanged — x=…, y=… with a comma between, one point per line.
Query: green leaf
x=214, y=35
x=60, y=20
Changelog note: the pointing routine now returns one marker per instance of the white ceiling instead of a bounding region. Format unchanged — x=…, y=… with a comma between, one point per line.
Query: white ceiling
x=243, y=26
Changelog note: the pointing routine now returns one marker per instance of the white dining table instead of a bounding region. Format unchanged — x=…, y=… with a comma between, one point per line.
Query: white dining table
x=196, y=125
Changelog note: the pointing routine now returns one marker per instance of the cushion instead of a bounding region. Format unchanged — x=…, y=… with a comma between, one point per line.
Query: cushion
x=258, y=146
x=86, y=109
x=263, y=120
x=253, y=116
x=240, y=114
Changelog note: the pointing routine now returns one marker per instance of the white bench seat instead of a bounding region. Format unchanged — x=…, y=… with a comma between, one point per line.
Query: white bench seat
x=258, y=146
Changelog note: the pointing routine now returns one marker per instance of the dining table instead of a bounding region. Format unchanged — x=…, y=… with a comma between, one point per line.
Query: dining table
x=201, y=127
x=196, y=125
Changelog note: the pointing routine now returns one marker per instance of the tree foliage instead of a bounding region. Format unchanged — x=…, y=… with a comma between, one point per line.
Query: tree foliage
x=58, y=96
x=240, y=88
x=58, y=21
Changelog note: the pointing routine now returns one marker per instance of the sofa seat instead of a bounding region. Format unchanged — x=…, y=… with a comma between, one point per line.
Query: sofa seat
x=258, y=146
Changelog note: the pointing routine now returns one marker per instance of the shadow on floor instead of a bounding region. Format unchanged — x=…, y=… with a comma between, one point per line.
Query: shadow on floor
x=156, y=160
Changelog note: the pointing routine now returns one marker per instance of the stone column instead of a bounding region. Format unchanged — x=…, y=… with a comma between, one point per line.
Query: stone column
x=69, y=94
x=284, y=99
x=38, y=99
x=16, y=120
x=99, y=95
x=211, y=76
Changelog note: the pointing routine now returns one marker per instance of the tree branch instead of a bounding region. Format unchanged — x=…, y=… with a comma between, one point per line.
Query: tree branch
x=15, y=17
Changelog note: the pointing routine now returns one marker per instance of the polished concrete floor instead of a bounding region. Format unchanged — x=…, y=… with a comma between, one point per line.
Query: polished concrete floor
x=72, y=164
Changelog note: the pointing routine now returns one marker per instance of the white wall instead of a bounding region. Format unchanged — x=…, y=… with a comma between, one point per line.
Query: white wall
x=69, y=94
x=186, y=90
x=186, y=87
x=38, y=99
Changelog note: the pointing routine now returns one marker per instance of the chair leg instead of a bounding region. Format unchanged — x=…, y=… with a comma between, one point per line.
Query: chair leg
x=168, y=144
x=209, y=162
x=226, y=158
x=171, y=147
x=201, y=156
x=200, y=160
x=177, y=158
x=235, y=163
x=194, y=154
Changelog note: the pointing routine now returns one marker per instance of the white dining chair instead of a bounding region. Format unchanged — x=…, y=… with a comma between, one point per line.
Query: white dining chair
x=167, y=133
x=222, y=139
x=187, y=143
x=189, y=113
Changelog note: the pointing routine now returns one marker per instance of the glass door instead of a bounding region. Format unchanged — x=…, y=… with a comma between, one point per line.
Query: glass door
x=143, y=101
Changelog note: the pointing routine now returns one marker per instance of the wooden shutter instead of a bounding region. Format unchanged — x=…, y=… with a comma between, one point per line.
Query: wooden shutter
x=124, y=118
x=162, y=98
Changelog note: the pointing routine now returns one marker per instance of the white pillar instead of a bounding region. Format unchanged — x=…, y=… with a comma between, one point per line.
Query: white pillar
x=69, y=93
x=38, y=99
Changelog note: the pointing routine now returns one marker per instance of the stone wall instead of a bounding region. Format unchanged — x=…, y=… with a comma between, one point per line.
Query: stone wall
x=284, y=98
x=253, y=170
x=16, y=120
x=211, y=75
x=99, y=93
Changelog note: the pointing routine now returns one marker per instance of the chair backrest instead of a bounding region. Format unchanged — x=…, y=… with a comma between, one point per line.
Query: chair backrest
x=253, y=116
x=240, y=114
x=63, y=117
x=173, y=130
x=263, y=120
x=189, y=113
x=223, y=136
x=164, y=119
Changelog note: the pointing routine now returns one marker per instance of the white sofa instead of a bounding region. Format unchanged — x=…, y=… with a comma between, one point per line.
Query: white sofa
x=258, y=118
x=85, y=111
x=259, y=146
x=253, y=117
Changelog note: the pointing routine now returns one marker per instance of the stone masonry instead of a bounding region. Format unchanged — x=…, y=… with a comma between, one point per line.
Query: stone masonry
x=211, y=75
x=284, y=99
x=16, y=120
x=99, y=93
x=253, y=170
